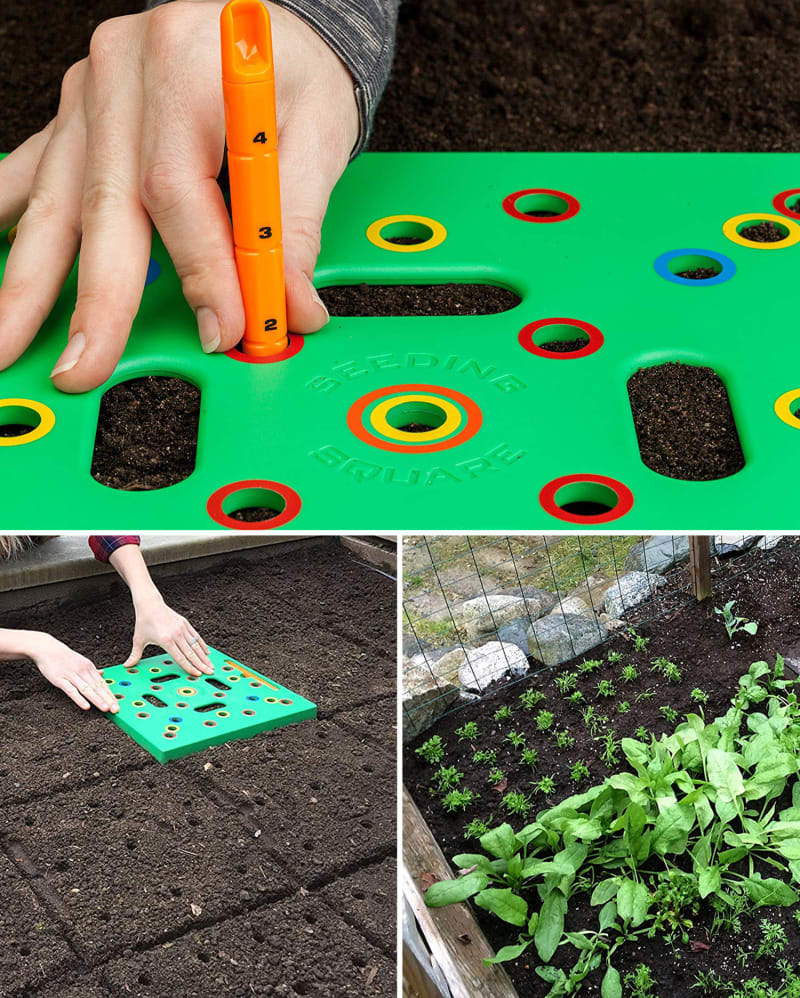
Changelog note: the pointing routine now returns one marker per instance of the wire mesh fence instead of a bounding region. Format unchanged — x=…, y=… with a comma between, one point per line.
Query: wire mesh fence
x=482, y=612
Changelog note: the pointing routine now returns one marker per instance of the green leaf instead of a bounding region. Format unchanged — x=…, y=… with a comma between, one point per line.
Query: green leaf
x=507, y=953
x=633, y=900
x=671, y=832
x=751, y=627
x=723, y=775
x=501, y=842
x=551, y=925
x=453, y=891
x=504, y=903
x=608, y=915
x=612, y=984
x=605, y=890
x=709, y=881
x=465, y=860
x=769, y=890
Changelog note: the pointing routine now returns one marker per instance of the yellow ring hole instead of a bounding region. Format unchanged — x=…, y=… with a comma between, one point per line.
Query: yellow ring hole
x=187, y=691
x=783, y=408
x=223, y=713
x=730, y=227
x=47, y=421
x=407, y=225
x=379, y=421
x=172, y=727
x=270, y=699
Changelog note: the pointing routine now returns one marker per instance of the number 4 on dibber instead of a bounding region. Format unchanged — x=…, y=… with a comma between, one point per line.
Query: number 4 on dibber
x=248, y=85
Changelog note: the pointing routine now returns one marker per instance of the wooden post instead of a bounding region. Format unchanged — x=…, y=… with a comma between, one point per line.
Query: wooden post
x=700, y=565
x=454, y=938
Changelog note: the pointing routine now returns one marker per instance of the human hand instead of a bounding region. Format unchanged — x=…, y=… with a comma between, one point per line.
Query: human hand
x=139, y=138
x=157, y=624
x=71, y=672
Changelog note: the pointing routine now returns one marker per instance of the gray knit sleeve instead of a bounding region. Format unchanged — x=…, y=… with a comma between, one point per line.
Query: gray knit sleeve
x=361, y=33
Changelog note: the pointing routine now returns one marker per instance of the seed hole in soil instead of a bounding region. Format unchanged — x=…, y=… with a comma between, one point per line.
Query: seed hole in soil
x=17, y=420
x=257, y=936
x=684, y=423
x=217, y=684
x=253, y=505
x=194, y=822
x=416, y=417
x=144, y=979
x=176, y=892
x=694, y=266
x=375, y=300
x=300, y=988
x=28, y=820
x=763, y=232
x=586, y=498
x=130, y=844
x=24, y=951
x=146, y=434
x=559, y=338
x=308, y=846
x=310, y=919
x=358, y=895
x=154, y=700
x=203, y=957
x=698, y=274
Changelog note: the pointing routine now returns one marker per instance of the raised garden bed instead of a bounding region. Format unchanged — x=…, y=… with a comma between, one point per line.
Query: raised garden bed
x=260, y=864
x=696, y=642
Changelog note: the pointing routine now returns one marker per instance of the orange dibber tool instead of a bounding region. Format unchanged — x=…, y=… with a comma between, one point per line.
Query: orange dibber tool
x=248, y=86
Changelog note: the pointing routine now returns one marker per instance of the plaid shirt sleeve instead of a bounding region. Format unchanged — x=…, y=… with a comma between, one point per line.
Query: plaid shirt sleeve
x=104, y=547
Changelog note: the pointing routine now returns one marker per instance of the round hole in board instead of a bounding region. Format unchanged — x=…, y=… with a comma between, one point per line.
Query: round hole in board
x=176, y=720
x=541, y=204
x=219, y=696
x=223, y=713
x=110, y=682
x=234, y=679
x=169, y=734
x=270, y=699
x=406, y=233
x=133, y=671
x=210, y=724
x=156, y=686
x=22, y=421
x=119, y=696
x=187, y=691
x=249, y=713
x=254, y=504
x=154, y=668
x=142, y=714
x=586, y=498
x=171, y=727
x=138, y=703
x=181, y=704
x=286, y=701
x=256, y=683
x=251, y=697
x=167, y=661
x=227, y=668
x=125, y=682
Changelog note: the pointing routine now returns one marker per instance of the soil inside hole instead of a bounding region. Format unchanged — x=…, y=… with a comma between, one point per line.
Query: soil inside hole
x=541, y=214
x=146, y=434
x=416, y=428
x=766, y=588
x=763, y=232
x=565, y=346
x=684, y=422
x=254, y=514
x=417, y=299
x=698, y=274
x=407, y=240
x=585, y=507
x=14, y=430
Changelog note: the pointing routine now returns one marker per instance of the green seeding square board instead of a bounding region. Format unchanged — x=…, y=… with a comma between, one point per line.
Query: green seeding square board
x=517, y=433
x=171, y=715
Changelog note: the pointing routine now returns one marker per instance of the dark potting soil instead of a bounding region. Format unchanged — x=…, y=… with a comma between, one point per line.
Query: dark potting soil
x=766, y=588
x=416, y=428
x=146, y=433
x=684, y=422
x=14, y=430
x=154, y=874
x=254, y=514
x=566, y=346
x=698, y=274
x=411, y=299
x=763, y=232
x=540, y=214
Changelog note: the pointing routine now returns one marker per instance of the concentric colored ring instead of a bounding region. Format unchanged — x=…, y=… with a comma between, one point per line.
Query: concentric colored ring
x=270, y=700
x=292, y=507
x=438, y=236
x=471, y=420
x=223, y=713
x=142, y=713
x=296, y=344
x=377, y=418
x=779, y=202
x=510, y=205
x=47, y=420
x=661, y=265
x=783, y=408
x=547, y=498
x=286, y=701
x=730, y=227
x=187, y=691
x=527, y=332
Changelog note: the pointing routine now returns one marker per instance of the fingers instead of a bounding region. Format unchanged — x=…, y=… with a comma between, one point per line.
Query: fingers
x=86, y=687
x=115, y=246
x=72, y=692
x=137, y=650
x=179, y=190
x=199, y=649
x=194, y=653
x=17, y=171
x=48, y=234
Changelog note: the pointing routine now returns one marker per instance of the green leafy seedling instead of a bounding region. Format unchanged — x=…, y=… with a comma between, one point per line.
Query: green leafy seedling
x=605, y=688
x=515, y=738
x=530, y=757
x=516, y=802
x=476, y=829
x=544, y=720
x=467, y=732
x=444, y=779
x=734, y=624
x=579, y=771
x=459, y=800
x=531, y=699
x=503, y=713
x=629, y=673
x=432, y=751
x=485, y=757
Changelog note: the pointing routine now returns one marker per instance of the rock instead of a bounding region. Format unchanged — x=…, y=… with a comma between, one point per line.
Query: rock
x=657, y=554
x=614, y=624
x=574, y=604
x=430, y=688
x=485, y=665
x=558, y=637
x=733, y=543
x=593, y=589
x=538, y=601
x=631, y=590
x=515, y=633
x=770, y=541
x=484, y=614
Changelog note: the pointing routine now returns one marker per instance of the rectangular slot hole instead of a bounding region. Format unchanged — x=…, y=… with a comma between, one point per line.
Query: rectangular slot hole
x=217, y=684
x=217, y=705
x=166, y=679
x=351, y=300
x=154, y=700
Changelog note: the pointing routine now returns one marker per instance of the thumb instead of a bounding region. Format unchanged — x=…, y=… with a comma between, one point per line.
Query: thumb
x=310, y=165
x=135, y=656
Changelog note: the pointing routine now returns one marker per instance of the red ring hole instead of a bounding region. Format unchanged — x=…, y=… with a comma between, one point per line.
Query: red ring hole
x=292, y=506
x=621, y=493
x=296, y=343
x=210, y=724
x=548, y=196
x=779, y=202
x=527, y=333
x=249, y=713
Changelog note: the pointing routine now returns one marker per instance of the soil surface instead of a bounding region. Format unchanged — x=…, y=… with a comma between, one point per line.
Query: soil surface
x=684, y=422
x=426, y=299
x=766, y=587
x=566, y=346
x=254, y=514
x=698, y=274
x=261, y=867
x=763, y=232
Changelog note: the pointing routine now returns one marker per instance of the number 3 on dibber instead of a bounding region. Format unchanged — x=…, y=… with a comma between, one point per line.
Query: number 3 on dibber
x=265, y=232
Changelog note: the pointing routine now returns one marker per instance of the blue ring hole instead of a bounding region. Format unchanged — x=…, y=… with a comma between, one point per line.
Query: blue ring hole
x=663, y=269
x=252, y=698
x=153, y=272
x=176, y=720
x=125, y=682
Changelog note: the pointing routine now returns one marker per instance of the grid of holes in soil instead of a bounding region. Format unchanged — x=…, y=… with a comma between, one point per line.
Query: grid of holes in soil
x=625, y=687
x=128, y=875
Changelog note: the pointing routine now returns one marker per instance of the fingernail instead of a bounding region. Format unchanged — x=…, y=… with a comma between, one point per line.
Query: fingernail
x=208, y=326
x=316, y=297
x=71, y=355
